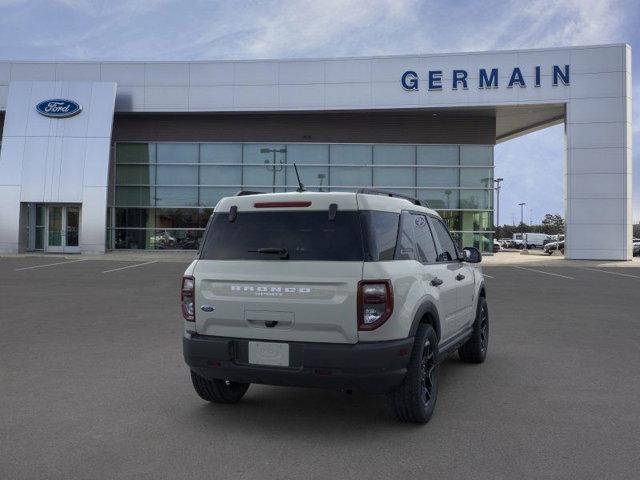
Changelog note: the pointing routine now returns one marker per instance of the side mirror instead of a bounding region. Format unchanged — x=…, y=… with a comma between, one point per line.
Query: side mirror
x=471, y=255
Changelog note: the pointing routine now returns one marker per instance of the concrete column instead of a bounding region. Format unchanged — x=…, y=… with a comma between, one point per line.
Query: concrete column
x=598, y=172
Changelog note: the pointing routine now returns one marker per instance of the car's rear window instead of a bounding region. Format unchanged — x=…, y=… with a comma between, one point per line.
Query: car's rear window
x=303, y=235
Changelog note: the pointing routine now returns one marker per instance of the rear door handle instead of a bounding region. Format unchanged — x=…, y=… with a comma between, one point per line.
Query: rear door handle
x=460, y=277
x=436, y=282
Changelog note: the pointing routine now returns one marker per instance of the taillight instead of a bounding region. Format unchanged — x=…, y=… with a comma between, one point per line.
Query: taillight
x=375, y=303
x=187, y=298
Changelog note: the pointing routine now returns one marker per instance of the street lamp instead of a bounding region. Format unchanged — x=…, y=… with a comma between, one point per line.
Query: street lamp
x=273, y=165
x=524, y=240
x=497, y=181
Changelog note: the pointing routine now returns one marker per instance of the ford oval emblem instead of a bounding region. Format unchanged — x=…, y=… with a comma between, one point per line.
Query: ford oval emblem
x=58, y=108
x=207, y=308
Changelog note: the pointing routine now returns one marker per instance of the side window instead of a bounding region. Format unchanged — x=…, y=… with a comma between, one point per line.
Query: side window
x=425, y=247
x=449, y=251
x=405, y=244
x=380, y=233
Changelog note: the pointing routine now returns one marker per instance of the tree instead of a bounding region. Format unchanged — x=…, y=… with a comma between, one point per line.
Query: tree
x=553, y=220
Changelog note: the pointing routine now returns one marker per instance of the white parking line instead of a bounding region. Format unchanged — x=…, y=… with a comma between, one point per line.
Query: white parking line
x=49, y=265
x=130, y=266
x=545, y=273
x=611, y=273
x=488, y=276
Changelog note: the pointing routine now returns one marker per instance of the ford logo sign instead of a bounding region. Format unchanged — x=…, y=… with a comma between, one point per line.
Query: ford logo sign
x=58, y=108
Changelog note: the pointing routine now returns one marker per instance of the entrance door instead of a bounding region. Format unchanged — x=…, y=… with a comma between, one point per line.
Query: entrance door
x=63, y=227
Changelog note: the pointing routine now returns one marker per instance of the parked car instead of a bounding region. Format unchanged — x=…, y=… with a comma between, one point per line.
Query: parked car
x=636, y=247
x=496, y=246
x=506, y=242
x=533, y=240
x=553, y=246
x=356, y=291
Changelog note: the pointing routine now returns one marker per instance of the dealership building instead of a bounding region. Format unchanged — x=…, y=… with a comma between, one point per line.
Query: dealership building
x=99, y=156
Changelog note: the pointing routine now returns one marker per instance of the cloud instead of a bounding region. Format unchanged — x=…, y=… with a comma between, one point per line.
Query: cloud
x=251, y=29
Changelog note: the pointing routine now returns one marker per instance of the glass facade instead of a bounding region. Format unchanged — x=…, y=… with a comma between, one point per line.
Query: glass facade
x=164, y=193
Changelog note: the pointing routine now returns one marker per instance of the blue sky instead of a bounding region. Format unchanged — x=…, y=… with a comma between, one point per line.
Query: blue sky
x=247, y=29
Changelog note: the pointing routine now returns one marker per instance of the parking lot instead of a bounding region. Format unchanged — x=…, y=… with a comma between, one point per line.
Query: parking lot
x=93, y=385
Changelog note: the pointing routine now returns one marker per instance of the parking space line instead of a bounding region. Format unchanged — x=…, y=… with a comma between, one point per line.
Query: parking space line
x=610, y=273
x=488, y=276
x=130, y=266
x=545, y=273
x=49, y=265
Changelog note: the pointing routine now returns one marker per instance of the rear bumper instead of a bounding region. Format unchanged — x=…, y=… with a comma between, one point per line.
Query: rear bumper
x=373, y=367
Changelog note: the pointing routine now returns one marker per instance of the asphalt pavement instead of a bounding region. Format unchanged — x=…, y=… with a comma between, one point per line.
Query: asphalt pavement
x=93, y=385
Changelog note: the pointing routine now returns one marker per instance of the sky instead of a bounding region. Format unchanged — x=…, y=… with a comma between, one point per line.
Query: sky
x=532, y=165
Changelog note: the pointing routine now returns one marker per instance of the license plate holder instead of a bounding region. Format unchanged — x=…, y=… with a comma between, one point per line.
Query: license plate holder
x=274, y=354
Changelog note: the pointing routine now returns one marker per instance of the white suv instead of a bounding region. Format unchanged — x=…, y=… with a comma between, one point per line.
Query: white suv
x=356, y=291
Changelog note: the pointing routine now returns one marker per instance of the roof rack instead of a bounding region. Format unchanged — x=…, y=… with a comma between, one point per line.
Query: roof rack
x=242, y=193
x=373, y=191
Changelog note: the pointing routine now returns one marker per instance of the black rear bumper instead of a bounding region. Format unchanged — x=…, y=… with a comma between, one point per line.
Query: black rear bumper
x=373, y=367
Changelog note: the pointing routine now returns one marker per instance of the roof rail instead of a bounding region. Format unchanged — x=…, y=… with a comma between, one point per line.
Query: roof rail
x=373, y=191
x=242, y=193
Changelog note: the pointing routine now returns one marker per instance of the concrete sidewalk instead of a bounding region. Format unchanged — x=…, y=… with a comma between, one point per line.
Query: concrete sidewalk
x=536, y=257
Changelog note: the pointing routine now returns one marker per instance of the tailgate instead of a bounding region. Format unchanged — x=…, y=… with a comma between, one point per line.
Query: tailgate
x=278, y=300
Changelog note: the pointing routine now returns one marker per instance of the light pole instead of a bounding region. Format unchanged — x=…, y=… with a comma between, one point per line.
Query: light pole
x=497, y=181
x=273, y=165
x=524, y=240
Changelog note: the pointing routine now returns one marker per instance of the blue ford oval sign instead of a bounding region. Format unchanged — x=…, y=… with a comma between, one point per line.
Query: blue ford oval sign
x=58, y=108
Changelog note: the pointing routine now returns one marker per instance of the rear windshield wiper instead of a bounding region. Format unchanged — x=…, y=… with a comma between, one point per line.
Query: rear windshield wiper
x=284, y=254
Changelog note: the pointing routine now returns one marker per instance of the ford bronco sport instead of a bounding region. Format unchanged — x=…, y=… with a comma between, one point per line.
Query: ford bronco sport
x=357, y=291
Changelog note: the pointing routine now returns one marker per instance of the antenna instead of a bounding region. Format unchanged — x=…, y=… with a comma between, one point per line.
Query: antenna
x=300, y=185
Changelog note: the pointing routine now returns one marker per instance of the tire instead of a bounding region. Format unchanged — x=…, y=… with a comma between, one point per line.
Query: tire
x=414, y=400
x=218, y=391
x=475, y=349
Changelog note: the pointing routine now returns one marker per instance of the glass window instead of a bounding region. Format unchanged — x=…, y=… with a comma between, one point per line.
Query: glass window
x=177, y=152
x=394, y=155
x=425, y=247
x=219, y=175
x=356, y=174
x=380, y=233
x=177, y=217
x=177, y=175
x=453, y=219
x=303, y=235
x=135, y=196
x=476, y=177
x=176, y=197
x=221, y=153
x=134, y=217
x=440, y=199
x=476, y=154
x=438, y=177
x=406, y=241
x=481, y=241
x=438, y=155
x=135, y=175
x=260, y=175
x=210, y=196
x=157, y=239
x=476, y=199
x=478, y=221
x=302, y=155
x=448, y=249
x=135, y=153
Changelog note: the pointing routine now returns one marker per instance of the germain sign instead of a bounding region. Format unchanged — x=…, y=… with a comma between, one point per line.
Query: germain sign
x=58, y=108
x=487, y=78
